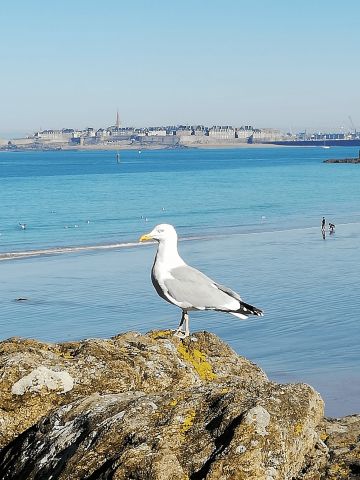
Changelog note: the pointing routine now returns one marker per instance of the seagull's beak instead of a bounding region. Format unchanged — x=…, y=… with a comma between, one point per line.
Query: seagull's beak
x=145, y=238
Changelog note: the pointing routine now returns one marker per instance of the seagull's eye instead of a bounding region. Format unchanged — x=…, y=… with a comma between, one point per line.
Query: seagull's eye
x=160, y=230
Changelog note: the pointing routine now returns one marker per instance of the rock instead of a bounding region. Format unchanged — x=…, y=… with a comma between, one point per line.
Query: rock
x=128, y=362
x=342, y=437
x=156, y=407
x=43, y=377
x=342, y=160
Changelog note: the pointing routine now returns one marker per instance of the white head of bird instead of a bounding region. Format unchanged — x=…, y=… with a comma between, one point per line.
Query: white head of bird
x=161, y=233
x=166, y=237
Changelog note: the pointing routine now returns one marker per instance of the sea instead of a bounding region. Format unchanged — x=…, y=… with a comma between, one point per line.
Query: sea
x=248, y=217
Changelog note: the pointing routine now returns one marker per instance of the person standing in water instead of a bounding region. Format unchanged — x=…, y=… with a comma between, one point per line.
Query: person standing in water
x=323, y=225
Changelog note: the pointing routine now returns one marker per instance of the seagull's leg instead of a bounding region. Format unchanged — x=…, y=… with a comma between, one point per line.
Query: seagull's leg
x=179, y=331
x=186, y=318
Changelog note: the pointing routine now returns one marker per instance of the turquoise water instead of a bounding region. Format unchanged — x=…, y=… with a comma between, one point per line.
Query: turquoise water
x=81, y=198
x=251, y=220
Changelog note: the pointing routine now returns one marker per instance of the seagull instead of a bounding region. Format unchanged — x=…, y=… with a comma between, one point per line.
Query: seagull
x=188, y=288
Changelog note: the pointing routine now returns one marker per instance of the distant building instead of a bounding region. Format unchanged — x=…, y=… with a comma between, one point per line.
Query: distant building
x=327, y=136
x=54, y=136
x=102, y=133
x=183, y=130
x=264, y=135
x=157, y=132
x=226, y=132
x=244, y=132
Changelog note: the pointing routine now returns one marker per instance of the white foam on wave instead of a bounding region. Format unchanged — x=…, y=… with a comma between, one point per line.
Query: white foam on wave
x=62, y=250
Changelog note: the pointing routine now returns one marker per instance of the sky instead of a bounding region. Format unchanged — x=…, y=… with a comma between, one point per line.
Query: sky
x=280, y=64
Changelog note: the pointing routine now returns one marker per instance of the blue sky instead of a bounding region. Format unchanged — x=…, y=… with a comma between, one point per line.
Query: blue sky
x=281, y=64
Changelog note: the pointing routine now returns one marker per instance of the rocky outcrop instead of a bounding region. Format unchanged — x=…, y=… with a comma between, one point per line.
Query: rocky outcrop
x=156, y=407
x=342, y=437
x=342, y=160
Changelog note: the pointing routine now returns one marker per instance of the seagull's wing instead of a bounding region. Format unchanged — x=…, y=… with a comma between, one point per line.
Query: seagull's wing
x=192, y=289
x=228, y=291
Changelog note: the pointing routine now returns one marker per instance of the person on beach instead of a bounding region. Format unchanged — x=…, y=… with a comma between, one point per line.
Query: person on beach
x=323, y=224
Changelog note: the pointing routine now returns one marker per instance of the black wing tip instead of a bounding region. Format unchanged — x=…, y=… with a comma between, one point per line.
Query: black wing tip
x=248, y=309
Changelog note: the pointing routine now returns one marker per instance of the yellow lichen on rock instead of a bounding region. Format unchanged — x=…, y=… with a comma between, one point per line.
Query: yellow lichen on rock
x=66, y=355
x=338, y=471
x=188, y=422
x=198, y=360
x=159, y=334
x=324, y=436
x=298, y=428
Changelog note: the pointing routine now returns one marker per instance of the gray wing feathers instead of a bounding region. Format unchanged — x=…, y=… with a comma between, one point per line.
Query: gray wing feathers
x=228, y=291
x=196, y=290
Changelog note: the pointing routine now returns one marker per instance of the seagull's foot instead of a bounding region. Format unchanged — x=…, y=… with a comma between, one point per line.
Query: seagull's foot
x=181, y=334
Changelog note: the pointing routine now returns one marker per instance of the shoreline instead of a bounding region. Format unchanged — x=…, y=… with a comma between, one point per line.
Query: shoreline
x=115, y=148
x=190, y=146
x=66, y=249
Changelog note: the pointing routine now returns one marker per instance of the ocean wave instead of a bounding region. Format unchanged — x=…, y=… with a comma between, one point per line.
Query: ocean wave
x=131, y=244
x=81, y=248
x=62, y=250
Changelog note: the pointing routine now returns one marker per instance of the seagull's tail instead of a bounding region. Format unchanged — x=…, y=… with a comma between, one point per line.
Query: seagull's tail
x=245, y=310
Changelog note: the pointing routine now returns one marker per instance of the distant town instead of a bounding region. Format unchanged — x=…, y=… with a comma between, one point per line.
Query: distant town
x=173, y=136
